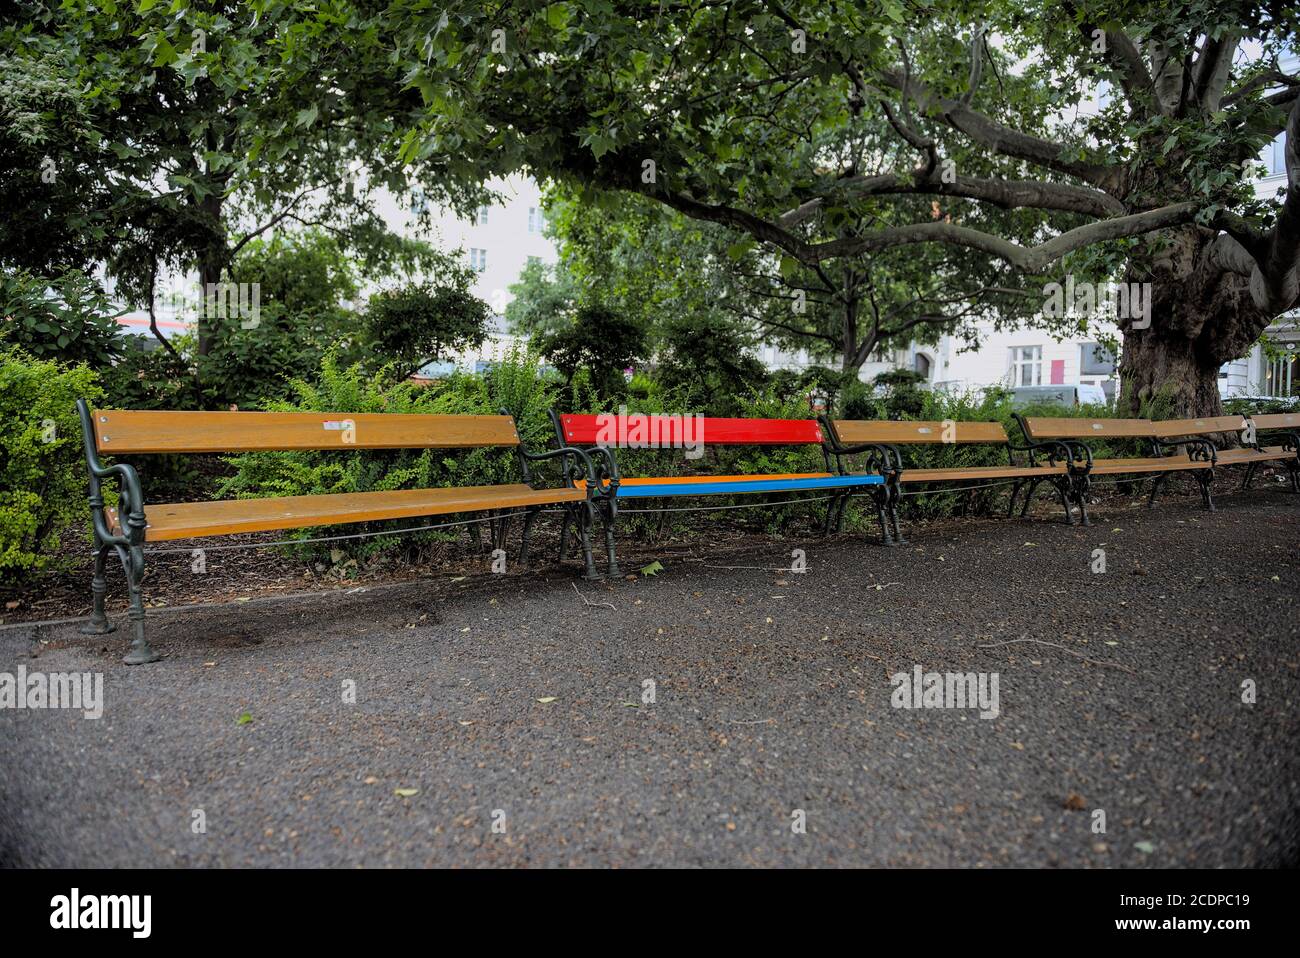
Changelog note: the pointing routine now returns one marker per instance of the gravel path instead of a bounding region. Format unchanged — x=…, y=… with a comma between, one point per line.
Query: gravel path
x=510, y=700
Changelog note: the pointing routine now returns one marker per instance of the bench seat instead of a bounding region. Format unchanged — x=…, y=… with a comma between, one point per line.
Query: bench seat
x=185, y=520
x=1269, y=453
x=1110, y=467
x=646, y=487
x=982, y=472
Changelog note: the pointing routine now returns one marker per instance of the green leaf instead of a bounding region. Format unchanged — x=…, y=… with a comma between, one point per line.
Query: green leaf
x=654, y=568
x=557, y=16
x=406, y=792
x=738, y=249
x=307, y=117
x=244, y=719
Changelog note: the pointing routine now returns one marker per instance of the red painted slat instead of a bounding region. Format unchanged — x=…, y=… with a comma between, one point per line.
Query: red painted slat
x=667, y=431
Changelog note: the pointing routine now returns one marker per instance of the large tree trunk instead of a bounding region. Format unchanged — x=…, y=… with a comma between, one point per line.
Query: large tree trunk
x=1200, y=318
x=1167, y=368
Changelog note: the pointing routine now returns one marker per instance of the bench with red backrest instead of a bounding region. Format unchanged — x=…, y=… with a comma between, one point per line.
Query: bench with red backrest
x=601, y=434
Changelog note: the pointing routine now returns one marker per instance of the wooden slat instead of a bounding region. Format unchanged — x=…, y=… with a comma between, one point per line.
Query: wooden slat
x=1232, y=456
x=1041, y=427
x=1279, y=420
x=1110, y=467
x=853, y=431
x=134, y=431
x=1199, y=427
x=184, y=520
x=980, y=472
x=643, y=430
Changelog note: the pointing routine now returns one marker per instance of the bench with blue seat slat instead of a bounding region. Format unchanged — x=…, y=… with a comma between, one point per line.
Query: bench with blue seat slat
x=602, y=434
x=724, y=485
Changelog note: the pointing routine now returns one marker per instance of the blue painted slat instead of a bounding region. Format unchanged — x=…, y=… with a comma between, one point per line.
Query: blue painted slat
x=747, y=485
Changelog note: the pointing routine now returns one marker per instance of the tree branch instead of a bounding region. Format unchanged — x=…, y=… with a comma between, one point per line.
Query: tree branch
x=1007, y=194
x=1029, y=259
x=1001, y=138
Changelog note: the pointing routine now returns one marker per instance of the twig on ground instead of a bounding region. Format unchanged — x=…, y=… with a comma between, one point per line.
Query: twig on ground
x=1113, y=665
x=608, y=605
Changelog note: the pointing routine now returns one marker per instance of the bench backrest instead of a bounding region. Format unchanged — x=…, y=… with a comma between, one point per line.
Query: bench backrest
x=1046, y=427
x=1281, y=420
x=140, y=431
x=638, y=430
x=1199, y=427
x=854, y=431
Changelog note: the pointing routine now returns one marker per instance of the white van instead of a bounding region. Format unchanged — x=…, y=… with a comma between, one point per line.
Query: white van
x=1081, y=394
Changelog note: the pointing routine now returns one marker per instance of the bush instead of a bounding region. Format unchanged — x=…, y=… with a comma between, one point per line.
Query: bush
x=66, y=318
x=514, y=385
x=416, y=324
x=42, y=469
x=153, y=378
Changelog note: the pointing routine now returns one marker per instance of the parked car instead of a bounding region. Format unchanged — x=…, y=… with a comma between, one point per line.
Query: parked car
x=1081, y=394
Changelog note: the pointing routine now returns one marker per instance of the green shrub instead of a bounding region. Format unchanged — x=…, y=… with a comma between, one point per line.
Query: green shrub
x=416, y=324
x=65, y=318
x=153, y=378
x=42, y=469
x=1261, y=405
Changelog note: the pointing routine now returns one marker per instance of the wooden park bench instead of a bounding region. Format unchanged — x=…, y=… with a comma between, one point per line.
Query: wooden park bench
x=1250, y=453
x=1283, y=428
x=126, y=528
x=1044, y=461
x=600, y=435
x=1168, y=446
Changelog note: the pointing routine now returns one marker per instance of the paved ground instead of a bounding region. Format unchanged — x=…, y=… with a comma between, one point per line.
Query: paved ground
x=772, y=694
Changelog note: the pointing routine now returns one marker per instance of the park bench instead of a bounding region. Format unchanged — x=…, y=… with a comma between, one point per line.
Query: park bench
x=126, y=528
x=1283, y=427
x=1249, y=454
x=600, y=435
x=1044, y=461
x=1164, y=442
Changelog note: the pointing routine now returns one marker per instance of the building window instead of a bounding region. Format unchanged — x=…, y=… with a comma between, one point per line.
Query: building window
x=1282, y=376
x=478, y=259
x=536, y=221
x=1027, y=366
x=1095, y=360
x=480, y=218
x=1273, y=156
x=419, y=202
x=921, y=363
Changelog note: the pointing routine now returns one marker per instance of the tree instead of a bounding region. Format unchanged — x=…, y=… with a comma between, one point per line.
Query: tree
x=418, y=323
x=600, y=341
x=721, y=111
x=194, y=133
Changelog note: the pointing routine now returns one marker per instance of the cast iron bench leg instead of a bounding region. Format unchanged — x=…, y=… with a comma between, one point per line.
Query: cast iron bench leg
x=1063, y=490
x=133, y=564
x=585, y=521
x=98, y=624
x=611, y=558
